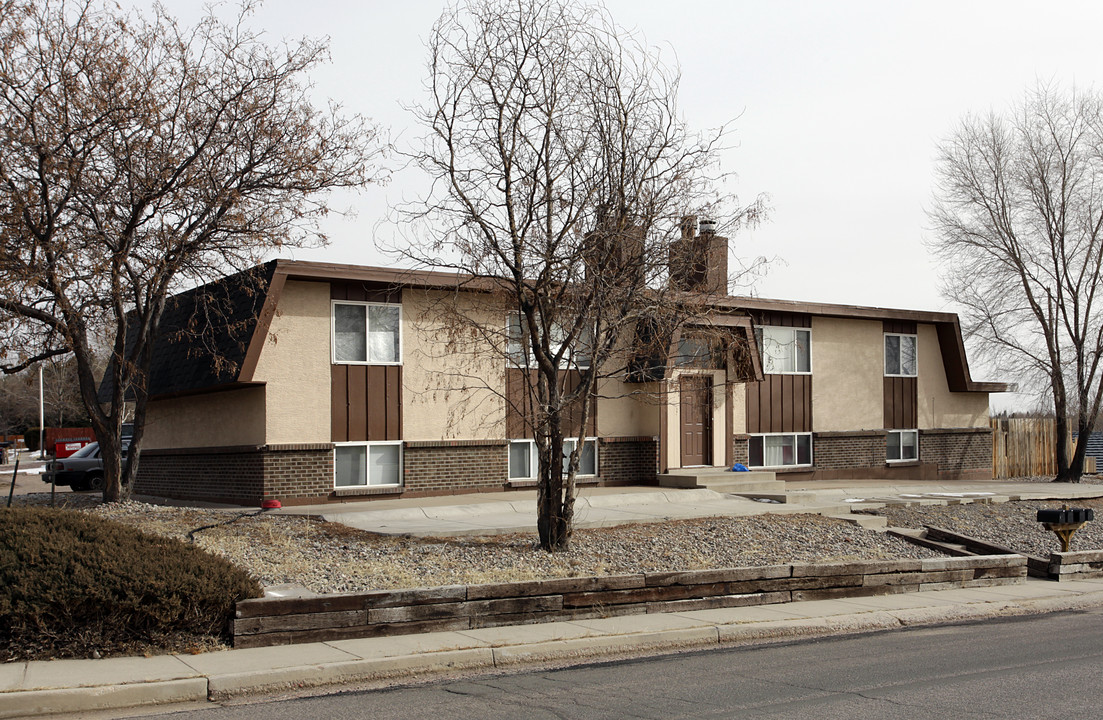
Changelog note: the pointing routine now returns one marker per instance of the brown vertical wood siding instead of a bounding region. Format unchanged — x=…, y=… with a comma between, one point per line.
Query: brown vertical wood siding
x=518, y=407
x=783, y=319
x=366, y=402
x=901, y=403
x=780, y=403
x=904, y=327
x=901, y=396
x=365, y=292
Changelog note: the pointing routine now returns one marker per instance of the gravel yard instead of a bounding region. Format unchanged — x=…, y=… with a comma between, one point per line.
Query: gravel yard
x=1010, y=524
x=329, y=557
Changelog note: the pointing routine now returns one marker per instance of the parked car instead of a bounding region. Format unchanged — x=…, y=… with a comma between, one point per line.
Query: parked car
x=83, y=470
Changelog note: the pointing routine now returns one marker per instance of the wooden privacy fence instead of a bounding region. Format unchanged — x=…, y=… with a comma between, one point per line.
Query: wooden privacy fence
x=1028, y=446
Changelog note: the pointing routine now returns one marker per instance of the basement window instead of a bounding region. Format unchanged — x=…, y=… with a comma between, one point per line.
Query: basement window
x=780, y=450
x=903, y=445
x=524, y=464
x=376, y=464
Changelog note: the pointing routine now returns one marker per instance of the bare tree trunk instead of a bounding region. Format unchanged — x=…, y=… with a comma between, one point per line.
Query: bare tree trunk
x=1075, y=469
x=1064, y=472
x=554, y=508
x=552, y=523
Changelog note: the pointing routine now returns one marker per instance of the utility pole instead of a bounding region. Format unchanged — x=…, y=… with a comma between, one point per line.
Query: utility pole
x=41, y=417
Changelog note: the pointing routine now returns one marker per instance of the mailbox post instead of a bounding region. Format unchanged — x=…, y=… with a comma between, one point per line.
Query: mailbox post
x=1065, y=522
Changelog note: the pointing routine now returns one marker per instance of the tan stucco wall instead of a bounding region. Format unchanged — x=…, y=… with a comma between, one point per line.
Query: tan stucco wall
x=674, y=418
x=628, y=409
x=451, y=382
x=847, y=374
x=234, y=417
x=938, y=407
x=295, y=365
x=739, y=408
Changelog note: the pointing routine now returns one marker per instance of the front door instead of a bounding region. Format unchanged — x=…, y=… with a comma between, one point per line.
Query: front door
x=696, y=411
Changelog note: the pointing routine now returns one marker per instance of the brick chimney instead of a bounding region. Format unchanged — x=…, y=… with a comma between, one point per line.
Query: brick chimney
x=699, y=259
x=612, y=249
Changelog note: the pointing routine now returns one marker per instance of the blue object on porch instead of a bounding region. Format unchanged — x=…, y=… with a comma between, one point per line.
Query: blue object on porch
x=740, y=467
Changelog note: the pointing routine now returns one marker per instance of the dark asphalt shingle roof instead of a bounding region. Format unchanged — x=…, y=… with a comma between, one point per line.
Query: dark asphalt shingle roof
x=205, y=333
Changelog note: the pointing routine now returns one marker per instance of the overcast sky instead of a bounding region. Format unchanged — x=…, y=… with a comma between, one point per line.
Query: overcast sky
x=839, y=108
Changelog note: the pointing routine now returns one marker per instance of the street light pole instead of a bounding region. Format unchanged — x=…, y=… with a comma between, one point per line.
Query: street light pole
x=41, y=418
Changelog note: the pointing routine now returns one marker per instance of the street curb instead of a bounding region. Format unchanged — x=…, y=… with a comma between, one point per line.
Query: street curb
x=594, y=648
x=101, y=697
x=598, y=645
x=255, y=681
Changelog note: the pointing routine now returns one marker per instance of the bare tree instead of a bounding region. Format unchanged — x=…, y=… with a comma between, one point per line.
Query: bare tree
x=62, y=403
x=1018, y=222
x=562, y=169
x=138, y=157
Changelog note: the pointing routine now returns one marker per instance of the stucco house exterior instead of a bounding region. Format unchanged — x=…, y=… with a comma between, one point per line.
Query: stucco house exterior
x=339, y=387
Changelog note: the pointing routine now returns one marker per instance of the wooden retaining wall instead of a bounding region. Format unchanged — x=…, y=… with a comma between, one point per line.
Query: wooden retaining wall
x=1080, y=565
x=280, y=621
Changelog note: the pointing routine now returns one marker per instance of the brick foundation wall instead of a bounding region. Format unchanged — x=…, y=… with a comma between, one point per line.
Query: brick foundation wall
x=741, y=451
x=958, y=452
x=230, y=475
x=944, y=453
x=449, y=467
x=628, y=461
x=836, y=451
x=298, y=473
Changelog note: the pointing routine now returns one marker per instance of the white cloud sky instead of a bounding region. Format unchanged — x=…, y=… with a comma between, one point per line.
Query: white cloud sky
x=840, y=106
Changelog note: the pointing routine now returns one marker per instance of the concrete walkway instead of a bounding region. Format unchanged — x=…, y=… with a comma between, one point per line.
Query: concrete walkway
x=46, y=688
x=515, y=511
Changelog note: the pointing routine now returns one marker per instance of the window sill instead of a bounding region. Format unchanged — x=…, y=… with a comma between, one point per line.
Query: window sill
x=583, y=480
x=358, y=362
x=902, y=463
x=368, y=490
x=780, y=468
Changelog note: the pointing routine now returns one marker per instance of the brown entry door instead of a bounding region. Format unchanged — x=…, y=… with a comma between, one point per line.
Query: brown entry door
x=696, y=393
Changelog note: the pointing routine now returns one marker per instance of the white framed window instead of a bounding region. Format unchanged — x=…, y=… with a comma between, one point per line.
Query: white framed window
x=785, y=350
x=698, y=352
x=522, y=460
x=523, y=463
x=780, y=450
x=364, y=333
x=367, y=464
x=900, y=355
x=576, y=357
x=587, y=459
x=902, y=445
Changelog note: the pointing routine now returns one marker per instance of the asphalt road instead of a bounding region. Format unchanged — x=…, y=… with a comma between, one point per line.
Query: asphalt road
x=1047, y=666
x=26, y=482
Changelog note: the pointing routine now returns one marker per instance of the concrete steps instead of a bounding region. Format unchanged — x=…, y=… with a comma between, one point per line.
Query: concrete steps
x=754, y=484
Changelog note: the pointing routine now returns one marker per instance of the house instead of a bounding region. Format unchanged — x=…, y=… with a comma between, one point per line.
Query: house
x=338, y=385
x=1094, y=448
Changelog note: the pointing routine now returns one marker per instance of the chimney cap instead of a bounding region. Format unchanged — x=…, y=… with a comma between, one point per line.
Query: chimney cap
x=689, y=226
x=707, y=226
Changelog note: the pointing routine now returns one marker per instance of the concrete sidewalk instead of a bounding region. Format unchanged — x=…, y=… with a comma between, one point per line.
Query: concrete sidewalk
x=42, y=688
x=515, y=511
